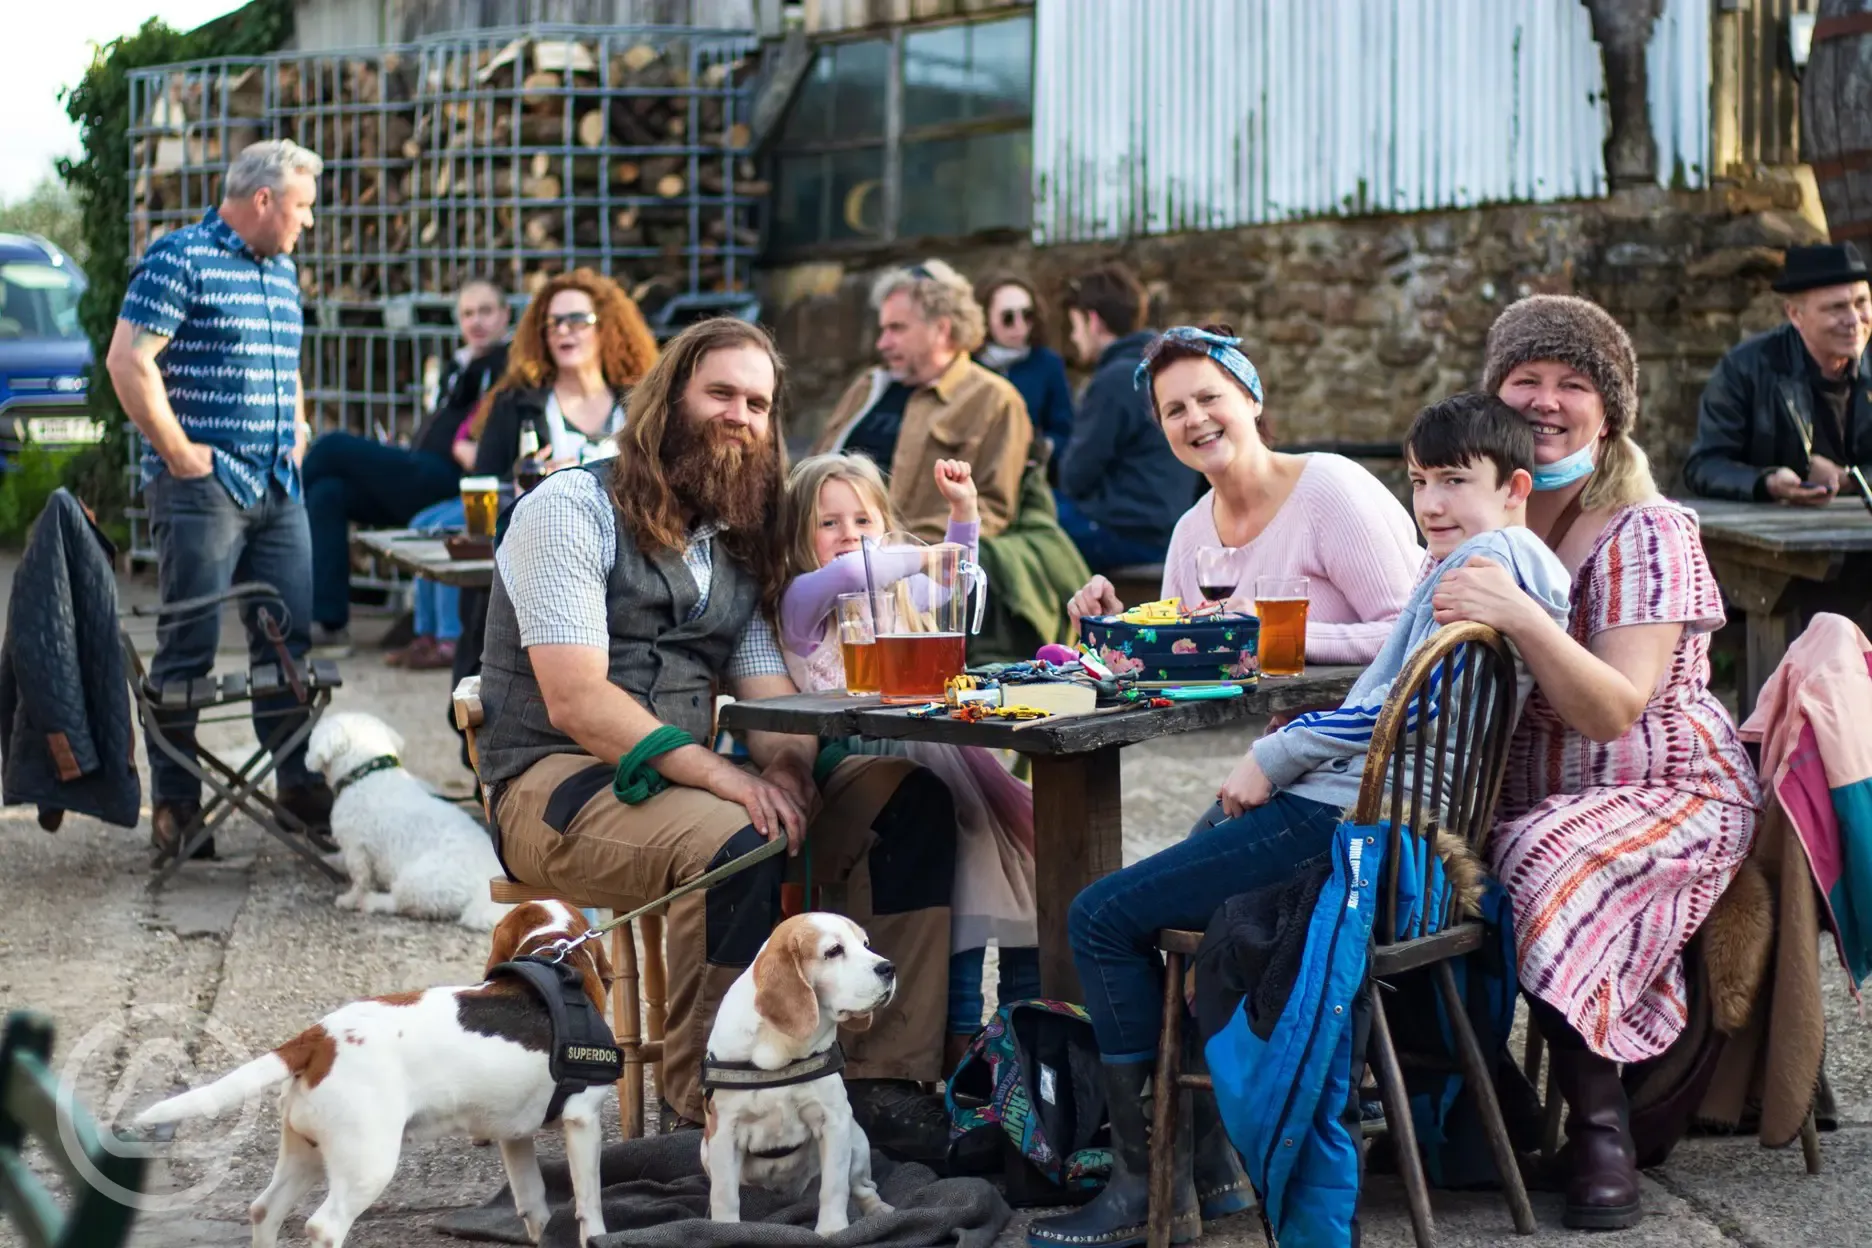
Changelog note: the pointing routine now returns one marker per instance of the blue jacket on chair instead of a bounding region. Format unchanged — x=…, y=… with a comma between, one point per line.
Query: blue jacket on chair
x=1281, y=1008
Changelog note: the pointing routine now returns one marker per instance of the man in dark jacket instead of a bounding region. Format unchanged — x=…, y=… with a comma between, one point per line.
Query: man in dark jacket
x=356, y=478
x=1788, y=413
x=1121, y=487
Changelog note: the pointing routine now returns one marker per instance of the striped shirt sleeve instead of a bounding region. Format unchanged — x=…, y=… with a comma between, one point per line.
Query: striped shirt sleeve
x=160, y=289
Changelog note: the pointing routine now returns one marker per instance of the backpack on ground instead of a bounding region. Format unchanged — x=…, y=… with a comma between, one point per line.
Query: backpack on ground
x=1026, y=1100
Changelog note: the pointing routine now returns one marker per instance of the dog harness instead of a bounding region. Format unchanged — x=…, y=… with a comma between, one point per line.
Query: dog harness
x=383, y=762
x=584, y=1053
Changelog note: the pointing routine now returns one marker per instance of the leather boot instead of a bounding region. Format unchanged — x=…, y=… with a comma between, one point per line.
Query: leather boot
x=1602, y=1191
x=1118, y=1216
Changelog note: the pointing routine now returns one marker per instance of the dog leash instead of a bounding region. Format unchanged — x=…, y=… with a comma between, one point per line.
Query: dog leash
x=560, y=949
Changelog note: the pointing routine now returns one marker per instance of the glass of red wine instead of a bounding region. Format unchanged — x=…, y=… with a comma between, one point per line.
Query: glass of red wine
x=1218, y=573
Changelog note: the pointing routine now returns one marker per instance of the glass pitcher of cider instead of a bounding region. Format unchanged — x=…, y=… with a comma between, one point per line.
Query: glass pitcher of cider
x=920, y=610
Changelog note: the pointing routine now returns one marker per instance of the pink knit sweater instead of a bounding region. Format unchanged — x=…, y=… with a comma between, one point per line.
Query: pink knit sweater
x=1342, y=529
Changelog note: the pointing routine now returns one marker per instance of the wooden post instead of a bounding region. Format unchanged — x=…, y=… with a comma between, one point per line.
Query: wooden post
x=1623, y=29
x=1078, y=838
x=1725, y=90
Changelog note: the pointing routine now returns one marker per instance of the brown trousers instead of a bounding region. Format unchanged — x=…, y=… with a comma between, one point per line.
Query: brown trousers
x=560, y=827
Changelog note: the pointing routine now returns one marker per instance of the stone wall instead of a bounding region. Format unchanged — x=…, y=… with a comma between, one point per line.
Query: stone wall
x=1357, y=323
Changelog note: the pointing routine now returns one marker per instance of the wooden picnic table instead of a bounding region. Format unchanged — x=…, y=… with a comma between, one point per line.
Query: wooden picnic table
x=1078, y=799
x=424, y=554
x=1779, y=564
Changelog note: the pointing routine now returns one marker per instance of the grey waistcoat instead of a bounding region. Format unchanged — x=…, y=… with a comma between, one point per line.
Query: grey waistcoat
x=659, y=656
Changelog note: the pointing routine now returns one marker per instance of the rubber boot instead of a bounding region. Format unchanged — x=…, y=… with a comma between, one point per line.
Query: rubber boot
x=1118, y=1216
x=1602, y=1191
x=1222, y=1186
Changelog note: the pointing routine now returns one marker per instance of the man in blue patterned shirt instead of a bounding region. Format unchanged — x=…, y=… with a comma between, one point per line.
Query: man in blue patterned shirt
x=205, y=360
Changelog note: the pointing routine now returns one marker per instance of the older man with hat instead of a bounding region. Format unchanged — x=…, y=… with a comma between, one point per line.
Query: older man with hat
x=1787, y=414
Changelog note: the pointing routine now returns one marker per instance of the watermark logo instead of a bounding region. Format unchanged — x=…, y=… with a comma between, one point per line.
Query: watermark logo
x=112, y=1071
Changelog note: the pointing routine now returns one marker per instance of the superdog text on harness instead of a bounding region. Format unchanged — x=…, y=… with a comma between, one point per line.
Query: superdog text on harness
x=584, y=1053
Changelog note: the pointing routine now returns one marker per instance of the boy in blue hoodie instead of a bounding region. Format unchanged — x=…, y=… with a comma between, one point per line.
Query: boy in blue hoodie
x=1471, y=461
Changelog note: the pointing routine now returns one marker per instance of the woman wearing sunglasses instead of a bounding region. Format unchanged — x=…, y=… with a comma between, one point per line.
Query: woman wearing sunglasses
x=1017, y=349
x=580, y=346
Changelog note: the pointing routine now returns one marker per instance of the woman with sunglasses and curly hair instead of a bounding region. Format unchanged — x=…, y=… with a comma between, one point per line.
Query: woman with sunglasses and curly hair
x=1017, y=348
x=580, y=347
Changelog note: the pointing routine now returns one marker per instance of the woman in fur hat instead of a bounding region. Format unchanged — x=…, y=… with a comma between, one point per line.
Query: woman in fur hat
x=1628, y=803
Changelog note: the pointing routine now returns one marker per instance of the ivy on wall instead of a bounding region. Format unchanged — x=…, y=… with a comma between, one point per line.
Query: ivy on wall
x=100, y=178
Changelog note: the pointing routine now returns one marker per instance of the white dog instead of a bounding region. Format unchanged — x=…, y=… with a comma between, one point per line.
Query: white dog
x=406, y=850
x=814, y=974
x=446, y=1061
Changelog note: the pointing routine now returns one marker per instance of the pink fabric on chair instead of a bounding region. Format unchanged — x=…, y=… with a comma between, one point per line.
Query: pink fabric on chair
x=1812, y=720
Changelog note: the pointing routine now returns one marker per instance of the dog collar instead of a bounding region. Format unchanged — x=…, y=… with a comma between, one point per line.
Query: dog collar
x=718, y=1075
x=383, y=762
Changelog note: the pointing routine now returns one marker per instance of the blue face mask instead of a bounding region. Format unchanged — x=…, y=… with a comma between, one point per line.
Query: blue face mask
x=1564, y=472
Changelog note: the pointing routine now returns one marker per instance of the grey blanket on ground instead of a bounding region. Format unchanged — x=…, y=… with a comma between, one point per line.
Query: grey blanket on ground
x=656, y=1196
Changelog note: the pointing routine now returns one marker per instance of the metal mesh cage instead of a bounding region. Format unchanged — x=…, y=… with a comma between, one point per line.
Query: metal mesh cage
x=512, y=154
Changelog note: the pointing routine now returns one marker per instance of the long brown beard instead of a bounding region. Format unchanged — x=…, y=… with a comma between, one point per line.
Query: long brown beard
x=718, y=472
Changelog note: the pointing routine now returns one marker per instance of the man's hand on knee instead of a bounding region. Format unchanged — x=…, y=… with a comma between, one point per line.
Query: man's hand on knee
x=794, y=775
x=771, y=808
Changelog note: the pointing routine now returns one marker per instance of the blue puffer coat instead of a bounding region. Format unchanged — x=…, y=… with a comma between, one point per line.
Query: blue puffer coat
x=1280, y=1003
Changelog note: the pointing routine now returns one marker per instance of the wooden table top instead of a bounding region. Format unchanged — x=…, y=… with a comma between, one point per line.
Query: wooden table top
x=840, y=715
x=425, y=555
x=1844, y=525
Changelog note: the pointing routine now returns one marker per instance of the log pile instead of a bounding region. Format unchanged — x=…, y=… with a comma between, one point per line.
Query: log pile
x=471, y=154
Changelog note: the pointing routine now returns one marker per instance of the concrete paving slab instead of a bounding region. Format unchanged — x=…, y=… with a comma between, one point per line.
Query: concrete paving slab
x=1767, y=1197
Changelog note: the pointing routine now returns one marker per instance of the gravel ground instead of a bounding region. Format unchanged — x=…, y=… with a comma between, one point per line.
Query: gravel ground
x=153, y=992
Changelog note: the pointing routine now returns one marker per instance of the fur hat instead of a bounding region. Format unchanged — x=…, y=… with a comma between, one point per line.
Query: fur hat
x=1577, y=333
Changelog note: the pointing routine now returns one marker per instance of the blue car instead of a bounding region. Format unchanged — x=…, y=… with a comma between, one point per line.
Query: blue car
x=45, y=358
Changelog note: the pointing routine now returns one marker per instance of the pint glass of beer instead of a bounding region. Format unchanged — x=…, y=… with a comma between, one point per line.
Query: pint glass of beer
x=923, y=620
x=1281, y=603
x=858, y=644
x=480, y=504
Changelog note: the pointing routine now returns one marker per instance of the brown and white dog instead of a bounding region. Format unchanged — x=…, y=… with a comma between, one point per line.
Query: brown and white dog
x=815, y=974
x=468, y=1061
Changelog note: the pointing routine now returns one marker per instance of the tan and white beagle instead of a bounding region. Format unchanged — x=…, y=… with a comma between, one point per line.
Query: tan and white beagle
x=780, y=1020
x=470, y=1061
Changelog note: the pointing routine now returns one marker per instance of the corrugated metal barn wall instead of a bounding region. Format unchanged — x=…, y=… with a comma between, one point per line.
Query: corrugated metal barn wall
x=1206, y=114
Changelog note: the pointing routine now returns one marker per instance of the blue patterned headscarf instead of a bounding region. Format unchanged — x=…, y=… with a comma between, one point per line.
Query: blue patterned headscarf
x=1224, y=351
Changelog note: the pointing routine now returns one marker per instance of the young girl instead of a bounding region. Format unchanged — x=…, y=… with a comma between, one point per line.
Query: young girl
x=833, y=503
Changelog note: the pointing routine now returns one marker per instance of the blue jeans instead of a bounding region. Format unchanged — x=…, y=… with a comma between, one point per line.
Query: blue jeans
x=348, y=478
x=205, y=543
x=1020, y=981
x=1102, y=548
x=438, y=606
x=1114, y=922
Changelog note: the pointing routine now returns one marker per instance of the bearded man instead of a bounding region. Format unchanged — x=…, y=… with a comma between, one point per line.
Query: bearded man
x=626, y=593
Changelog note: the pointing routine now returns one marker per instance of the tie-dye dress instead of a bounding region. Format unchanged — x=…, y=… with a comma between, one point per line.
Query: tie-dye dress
x=1613, y=854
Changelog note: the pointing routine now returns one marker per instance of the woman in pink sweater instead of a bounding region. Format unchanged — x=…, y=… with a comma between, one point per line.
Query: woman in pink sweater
x=1319, y=516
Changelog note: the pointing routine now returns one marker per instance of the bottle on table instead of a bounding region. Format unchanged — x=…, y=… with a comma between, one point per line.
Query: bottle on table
x=530, y=467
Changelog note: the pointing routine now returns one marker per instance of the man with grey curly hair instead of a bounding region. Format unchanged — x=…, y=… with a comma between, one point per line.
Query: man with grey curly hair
x=931, y=401
x=205, y=360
